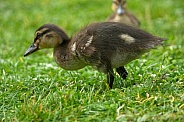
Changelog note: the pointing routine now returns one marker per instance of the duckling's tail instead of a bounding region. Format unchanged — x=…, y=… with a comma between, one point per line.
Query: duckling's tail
x=160, y=41
x=156, y=42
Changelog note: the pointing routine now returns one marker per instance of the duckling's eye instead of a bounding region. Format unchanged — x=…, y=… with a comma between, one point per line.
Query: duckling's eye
x=124, y=3
x=115, y=2
x=38, y=35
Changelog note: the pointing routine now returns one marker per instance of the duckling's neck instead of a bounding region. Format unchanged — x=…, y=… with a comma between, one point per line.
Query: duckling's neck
x=66, y=58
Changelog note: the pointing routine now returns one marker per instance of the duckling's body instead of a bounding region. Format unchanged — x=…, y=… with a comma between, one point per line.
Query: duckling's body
x=105, y=45
x=122, y=15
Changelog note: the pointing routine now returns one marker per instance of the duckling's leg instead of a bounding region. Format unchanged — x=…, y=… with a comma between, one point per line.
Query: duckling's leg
x=110, y=78
x=122, y=72
x=106, y=68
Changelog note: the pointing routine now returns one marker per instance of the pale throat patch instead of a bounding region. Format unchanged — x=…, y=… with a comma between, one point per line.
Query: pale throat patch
x=128, y=39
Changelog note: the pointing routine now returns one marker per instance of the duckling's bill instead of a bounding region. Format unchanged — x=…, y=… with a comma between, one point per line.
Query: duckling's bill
x=31, y=49
x=120, y=10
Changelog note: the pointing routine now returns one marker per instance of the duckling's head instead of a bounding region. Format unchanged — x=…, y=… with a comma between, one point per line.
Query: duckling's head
x=47, y=36
x=119, y=6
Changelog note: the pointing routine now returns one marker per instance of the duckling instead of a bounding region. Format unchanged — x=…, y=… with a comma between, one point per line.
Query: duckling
x=104, y=45
x=121, y=15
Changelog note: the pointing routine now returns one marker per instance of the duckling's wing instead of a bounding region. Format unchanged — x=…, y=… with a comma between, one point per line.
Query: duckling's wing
x=133, y=19
x=114, y=35
x=107, y=38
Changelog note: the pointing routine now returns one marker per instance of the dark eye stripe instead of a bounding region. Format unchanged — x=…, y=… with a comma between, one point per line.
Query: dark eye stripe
x=41, y=34
x=46, y=31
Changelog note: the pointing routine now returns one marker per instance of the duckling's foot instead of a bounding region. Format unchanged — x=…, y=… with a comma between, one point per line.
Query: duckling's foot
x=122, y=72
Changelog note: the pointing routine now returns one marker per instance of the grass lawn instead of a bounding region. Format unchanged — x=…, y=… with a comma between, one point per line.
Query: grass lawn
x=36, y=89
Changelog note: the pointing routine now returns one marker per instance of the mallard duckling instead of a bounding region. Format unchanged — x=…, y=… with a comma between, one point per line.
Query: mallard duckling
x=122, y=15
x=104, y=45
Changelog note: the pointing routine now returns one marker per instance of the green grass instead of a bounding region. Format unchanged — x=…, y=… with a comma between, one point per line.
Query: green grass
x=36, y=89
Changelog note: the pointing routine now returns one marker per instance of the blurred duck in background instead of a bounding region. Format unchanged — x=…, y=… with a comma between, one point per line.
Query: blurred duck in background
x=122, y=15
